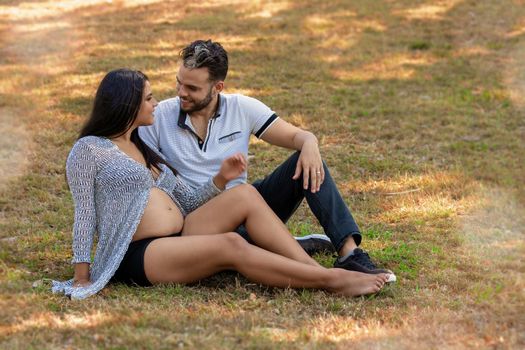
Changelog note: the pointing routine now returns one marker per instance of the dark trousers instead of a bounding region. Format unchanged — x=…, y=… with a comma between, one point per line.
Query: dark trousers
x=284, y=195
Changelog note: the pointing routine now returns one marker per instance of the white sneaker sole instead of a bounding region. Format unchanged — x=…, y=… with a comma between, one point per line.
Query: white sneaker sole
x=313, y=235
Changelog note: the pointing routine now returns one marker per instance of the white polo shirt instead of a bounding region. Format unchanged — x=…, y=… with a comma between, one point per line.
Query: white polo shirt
x=196, y=160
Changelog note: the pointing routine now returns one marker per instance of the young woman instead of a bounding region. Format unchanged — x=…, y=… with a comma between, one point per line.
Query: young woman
x=153, y=228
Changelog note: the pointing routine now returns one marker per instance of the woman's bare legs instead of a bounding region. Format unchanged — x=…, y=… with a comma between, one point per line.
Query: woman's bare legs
x=244, y=205
x=191, y=258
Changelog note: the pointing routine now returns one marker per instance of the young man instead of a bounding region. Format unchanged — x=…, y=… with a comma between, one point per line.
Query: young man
x=200, y=127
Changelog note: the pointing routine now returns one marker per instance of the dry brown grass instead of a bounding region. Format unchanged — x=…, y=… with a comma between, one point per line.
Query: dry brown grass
x=419, y=108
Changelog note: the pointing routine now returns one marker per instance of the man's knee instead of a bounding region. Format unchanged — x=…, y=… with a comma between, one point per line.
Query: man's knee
x=294, y=157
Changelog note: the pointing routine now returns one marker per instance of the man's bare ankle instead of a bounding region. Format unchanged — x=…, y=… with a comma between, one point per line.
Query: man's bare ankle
x=347, y=247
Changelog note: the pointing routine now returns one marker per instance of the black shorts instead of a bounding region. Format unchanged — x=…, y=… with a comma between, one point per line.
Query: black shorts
x=131, y=269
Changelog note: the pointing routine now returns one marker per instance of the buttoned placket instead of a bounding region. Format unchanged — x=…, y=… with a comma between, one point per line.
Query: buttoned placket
x=185, y=123
x=202, y=143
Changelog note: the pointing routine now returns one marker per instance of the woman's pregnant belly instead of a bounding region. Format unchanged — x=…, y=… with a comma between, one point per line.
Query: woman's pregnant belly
x=161, y=217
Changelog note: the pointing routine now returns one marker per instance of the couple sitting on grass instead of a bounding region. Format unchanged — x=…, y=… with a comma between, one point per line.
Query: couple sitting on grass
x=163, y=185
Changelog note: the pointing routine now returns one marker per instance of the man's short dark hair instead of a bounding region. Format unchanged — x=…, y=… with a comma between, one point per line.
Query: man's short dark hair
x=209, y=54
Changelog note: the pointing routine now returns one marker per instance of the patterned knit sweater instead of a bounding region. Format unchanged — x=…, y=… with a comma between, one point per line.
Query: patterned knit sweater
x=110, y=191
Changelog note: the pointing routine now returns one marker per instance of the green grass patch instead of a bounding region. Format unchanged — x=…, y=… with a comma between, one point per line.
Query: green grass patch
x=414, y=104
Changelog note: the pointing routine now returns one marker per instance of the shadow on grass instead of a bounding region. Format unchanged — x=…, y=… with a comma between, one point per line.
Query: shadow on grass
x=389, y=97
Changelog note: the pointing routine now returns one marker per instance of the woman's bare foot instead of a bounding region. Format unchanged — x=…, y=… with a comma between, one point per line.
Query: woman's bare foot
x=353, y=283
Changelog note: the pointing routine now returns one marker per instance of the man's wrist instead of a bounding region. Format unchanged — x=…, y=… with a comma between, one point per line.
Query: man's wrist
x=311, y=141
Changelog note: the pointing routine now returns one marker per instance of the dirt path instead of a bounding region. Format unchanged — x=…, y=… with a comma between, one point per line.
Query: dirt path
x=35, y=47
x=14, y=146
x=37, y=44
x=497, y=228
x=514, y=74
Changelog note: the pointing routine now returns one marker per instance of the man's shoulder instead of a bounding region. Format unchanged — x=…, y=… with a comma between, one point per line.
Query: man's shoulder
x=172, y=101
x=168, y=106
x=237, y=98
x=242, y=101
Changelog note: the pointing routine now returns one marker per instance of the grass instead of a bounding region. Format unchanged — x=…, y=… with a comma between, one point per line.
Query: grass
x=418, y=106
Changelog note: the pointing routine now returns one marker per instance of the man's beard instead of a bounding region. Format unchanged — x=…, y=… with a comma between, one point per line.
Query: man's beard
x=197, y=106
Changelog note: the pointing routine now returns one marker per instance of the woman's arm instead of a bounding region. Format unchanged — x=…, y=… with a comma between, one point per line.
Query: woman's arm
x=81, y=170
x=190, y=199
x=81, y=277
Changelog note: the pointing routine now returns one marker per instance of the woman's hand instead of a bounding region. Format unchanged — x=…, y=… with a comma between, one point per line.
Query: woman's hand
x=231, y=168
x=81, y=283
x=81, y=277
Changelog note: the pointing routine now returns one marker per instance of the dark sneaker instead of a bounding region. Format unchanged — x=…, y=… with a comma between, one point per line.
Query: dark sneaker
x=360, y=261
x=313, y=244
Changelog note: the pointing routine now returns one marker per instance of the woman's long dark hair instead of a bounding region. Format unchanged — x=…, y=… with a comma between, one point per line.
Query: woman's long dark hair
x=116, y=106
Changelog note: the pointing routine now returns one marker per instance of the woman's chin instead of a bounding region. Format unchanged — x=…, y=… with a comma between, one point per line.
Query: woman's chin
x=148, y=122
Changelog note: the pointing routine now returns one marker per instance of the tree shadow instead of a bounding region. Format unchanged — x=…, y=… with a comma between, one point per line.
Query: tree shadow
x=388, y=95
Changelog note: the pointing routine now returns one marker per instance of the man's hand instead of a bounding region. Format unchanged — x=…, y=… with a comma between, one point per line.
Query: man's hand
x=310, y=164
x=231, y=168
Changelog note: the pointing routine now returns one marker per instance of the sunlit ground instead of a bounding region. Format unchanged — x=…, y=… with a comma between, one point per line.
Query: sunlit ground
x=417, y=108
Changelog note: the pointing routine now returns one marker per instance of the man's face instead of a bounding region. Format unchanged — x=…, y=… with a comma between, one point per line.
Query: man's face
x=194, y=89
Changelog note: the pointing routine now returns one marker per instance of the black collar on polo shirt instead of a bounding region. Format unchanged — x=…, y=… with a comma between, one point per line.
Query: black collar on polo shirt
x=183, y=115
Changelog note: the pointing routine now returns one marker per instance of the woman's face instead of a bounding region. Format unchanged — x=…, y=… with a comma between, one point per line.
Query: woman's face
x=145, y=115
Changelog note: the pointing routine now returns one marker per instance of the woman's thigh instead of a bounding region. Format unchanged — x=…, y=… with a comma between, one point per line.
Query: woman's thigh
x=191, y=258
x=223, y=213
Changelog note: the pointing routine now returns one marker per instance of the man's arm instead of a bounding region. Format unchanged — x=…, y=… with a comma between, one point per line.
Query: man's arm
x=310, y=164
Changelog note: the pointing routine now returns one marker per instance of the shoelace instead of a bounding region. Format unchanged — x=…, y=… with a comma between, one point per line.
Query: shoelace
x=363, y=259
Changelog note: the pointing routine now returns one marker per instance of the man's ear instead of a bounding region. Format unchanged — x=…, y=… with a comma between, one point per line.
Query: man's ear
x=219, y=86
